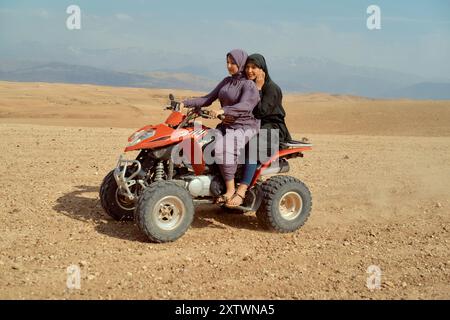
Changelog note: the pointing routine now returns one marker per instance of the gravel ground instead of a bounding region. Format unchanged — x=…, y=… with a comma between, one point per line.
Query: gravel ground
x=379, y=201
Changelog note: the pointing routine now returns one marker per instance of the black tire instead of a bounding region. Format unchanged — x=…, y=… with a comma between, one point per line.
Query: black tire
x=269, y=213
x=109, y=200
x=156, y=223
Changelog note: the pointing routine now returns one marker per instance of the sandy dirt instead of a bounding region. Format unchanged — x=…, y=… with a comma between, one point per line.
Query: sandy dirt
x=379, y=174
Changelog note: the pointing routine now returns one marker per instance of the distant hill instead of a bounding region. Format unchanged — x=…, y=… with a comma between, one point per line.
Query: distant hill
x=183, y=80
x=66, y=73
x=59, y=72
x=423, y=90
x=304, y=74
x=292, y=74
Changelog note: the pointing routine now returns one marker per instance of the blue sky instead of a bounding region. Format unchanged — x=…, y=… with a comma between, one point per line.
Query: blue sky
x=414, y=38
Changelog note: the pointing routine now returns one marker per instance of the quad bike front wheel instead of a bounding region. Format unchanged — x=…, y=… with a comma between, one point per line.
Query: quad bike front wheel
x=164, y=211
x=286, y=204
x=115, y=205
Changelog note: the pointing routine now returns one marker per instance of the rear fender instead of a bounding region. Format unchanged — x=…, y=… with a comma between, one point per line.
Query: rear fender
x=285, y=153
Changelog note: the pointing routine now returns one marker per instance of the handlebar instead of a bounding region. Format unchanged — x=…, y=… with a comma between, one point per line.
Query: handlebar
x=175, y=105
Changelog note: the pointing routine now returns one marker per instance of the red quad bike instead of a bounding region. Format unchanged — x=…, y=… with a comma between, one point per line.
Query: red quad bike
x=160, y=195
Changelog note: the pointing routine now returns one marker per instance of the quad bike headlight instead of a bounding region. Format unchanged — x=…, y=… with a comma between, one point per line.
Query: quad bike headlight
x=134, y=135
x=140, y=136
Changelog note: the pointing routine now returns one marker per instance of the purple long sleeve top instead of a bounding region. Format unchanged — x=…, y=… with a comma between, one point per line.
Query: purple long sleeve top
x=237, y=95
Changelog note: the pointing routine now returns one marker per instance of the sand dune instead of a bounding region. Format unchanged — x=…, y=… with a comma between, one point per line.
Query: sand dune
x=379, y=175
x=88, y=105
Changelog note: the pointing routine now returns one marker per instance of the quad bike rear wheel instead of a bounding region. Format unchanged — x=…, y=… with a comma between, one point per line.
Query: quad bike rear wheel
x=115, y=205
x=164, y=211
x=286, y=204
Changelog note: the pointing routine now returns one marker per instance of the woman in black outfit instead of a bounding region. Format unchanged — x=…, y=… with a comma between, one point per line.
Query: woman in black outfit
x=269, y=111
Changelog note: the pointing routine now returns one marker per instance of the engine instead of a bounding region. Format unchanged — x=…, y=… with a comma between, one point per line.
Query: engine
x=199, y=186
x=204, y=186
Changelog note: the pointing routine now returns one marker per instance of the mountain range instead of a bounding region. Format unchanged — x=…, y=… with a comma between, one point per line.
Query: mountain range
x=300, y=74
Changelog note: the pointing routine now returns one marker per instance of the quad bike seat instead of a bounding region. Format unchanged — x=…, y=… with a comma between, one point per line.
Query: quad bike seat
x=296, y=144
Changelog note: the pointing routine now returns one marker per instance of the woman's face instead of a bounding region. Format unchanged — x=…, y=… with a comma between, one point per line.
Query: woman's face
x=231, y=65
x=251, y=70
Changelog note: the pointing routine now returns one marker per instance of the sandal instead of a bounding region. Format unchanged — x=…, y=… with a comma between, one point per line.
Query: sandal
x=228, y=205
x=221, y=199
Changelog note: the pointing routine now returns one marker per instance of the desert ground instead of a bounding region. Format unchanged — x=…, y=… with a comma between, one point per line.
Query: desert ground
x=379, y=174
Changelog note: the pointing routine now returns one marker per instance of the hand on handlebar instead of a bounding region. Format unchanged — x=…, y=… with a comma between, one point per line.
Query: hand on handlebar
x=226, y=119
x=215, y=113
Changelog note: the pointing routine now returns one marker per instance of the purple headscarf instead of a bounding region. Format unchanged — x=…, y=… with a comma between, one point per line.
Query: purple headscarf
x=240, y=57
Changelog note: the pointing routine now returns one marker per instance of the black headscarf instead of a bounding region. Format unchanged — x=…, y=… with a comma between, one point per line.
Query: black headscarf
x=259, y=61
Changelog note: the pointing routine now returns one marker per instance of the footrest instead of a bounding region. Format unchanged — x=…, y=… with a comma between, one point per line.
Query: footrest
x=296, y=144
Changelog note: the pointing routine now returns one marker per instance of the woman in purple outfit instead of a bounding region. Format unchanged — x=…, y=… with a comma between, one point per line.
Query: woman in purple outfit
x=238, y=96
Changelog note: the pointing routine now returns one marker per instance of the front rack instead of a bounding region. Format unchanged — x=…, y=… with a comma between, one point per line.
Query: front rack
x=124, y=183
